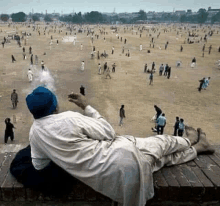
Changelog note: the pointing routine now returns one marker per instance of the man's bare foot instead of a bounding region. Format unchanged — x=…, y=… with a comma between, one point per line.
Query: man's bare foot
x=191, y=134
x=203, y=146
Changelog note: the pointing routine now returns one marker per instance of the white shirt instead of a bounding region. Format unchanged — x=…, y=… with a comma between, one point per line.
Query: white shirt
x=87, y=148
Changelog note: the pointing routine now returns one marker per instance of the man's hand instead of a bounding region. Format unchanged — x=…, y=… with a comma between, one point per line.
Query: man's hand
x=78, y=99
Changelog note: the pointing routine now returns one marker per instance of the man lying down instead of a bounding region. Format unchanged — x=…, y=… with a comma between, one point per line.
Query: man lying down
x=87, y=148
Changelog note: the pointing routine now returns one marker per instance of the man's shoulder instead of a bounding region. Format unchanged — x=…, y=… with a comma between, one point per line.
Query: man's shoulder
x=67, y=114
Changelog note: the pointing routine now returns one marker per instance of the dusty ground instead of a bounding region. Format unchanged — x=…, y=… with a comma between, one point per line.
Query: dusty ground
x=177, y=96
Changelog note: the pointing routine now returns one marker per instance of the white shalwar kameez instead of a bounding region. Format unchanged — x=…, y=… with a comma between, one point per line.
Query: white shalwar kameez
x=82, y=66
x=30, y=75
x=87, y=148
x=140, y=47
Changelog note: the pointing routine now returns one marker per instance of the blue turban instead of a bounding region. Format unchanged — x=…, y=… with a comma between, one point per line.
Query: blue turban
x=41, y=102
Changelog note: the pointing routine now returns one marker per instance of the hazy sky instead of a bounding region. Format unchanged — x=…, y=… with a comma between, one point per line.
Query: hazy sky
x=68, y=6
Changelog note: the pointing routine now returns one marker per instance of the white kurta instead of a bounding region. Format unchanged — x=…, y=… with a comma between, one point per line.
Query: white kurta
x=82, y=66
x=30, y=75
x=87, y=148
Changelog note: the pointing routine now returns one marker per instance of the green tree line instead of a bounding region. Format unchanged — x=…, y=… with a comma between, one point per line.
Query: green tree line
x=97, y=17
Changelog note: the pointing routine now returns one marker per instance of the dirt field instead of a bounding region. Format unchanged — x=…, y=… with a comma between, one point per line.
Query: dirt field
x=129, y=85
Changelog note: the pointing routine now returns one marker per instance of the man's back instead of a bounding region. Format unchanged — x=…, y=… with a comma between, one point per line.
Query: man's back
x=122, y=112
x=14, y=96
x=161, y=120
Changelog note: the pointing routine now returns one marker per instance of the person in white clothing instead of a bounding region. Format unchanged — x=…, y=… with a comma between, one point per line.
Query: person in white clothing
x=82, y=65
x=100, y=68
x=30, y=75
x=140, y=47
x=86, y=146
x=81, y=47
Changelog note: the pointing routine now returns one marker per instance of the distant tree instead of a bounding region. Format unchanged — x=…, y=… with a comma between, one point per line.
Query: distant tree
x=142, y=15
x=18, y=17
x=77, y=18
x=4, y=17
x=202, y=16
x=166, y=16
x=215, y=18
x=93, y=17
x=123, y=20
x=183, y=18
x=47, y=18
x=35, y=18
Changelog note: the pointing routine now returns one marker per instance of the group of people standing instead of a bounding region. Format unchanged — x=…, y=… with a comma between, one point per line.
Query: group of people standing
x=166, y=69
x=106, y=69
x=160, y=121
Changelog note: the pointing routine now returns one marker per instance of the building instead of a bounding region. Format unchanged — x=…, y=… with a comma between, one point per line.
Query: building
x=213, y=10
x=211, y=13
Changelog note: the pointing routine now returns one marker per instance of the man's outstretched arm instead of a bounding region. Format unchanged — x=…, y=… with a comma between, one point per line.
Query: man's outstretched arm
x=98, y=128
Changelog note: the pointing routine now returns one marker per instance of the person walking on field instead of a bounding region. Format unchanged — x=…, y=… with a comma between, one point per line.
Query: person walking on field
x=176, y=126
x=82, y=90
x=145, y=68
x=210, y=48
x=100, y=68
x=113, y=67
x=140, y=47
x=32, y=59
x=201, y=83
x=9, y=130
x=105, y=67
x=42, y=65
x=165, y=70
x=121, y=115
x=181, y=128
x=168, y=72
x=82, y=66
x=161, y=69
x=151, y=77
x=206, y=83
x=81, y=47
x=30, y=50
x=113, y=50
x=13, y=59
x=108, y=73
x=30, y=75
x=14, y=99
x=161, y=123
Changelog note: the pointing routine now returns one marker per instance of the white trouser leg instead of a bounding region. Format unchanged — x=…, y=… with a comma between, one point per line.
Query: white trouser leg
x=175, y=158
x=162, y=145
x=166, y=150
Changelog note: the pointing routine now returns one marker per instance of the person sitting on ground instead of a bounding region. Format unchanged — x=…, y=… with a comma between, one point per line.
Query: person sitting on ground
x=87, y=147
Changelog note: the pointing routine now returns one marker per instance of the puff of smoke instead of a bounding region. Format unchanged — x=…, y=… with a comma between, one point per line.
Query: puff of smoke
x=42, y=78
